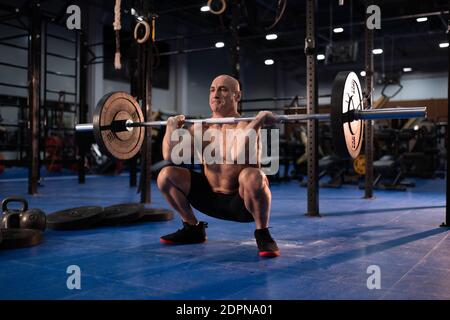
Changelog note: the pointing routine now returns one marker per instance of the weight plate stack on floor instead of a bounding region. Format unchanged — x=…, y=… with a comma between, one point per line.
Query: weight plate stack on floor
x=124, y=213
x=75, y=218
x=156, y=214
x=20, y=238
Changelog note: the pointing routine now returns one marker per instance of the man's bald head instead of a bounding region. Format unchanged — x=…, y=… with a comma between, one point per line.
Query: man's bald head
x=232, y=82
x=224, y=95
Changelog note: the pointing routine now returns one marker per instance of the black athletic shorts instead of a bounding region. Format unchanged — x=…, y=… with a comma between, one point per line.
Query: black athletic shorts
x=214, y=204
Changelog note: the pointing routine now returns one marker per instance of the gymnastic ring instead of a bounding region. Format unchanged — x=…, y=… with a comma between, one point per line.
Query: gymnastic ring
x=224, y=6
x=147, y=31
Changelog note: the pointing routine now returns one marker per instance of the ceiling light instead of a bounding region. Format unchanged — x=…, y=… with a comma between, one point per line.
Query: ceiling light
x=204, y=9
x=422, y=19
x=271, y=36
x=443, y=45
x=362, y=73
x=407, y=69
x=320, y=57
x=269, y=62
x=338, y=30
x=377, y=51
x=220, y=44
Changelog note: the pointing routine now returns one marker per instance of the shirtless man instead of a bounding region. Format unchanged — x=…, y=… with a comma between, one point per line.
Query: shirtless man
x=237, y=192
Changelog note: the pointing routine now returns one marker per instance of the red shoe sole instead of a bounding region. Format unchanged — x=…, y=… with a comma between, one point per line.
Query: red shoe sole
x=167, y=242
x=269, y=254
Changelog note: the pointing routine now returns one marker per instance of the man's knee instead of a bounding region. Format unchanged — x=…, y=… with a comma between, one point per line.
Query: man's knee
x=166, y=177
x=174, y=177
x=253, y=180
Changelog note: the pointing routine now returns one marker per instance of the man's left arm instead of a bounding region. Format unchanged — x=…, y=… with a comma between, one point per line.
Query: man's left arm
x=261, y=119
x=250, y=134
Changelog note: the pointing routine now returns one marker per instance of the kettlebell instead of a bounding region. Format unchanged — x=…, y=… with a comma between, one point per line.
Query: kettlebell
x=11, y=217
x=33, y=219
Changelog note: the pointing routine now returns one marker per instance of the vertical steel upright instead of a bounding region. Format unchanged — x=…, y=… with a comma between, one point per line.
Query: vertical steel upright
x=82, y=116
x=311, y=108
x=368, y=90
x=146, y=156
x=447, y=207
x=34, y=75
x=234, y=43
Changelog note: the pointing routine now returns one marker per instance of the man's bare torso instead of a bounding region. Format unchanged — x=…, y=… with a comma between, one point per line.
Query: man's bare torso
x=224, y=178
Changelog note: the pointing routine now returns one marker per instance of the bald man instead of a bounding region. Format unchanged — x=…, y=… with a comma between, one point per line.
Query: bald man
x=236, y=192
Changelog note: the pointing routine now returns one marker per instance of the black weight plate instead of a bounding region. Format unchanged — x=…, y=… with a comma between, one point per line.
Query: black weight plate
x=118, y=106
x=122, y=213
x=20, y=238
x=156, y=214
x=74, y=218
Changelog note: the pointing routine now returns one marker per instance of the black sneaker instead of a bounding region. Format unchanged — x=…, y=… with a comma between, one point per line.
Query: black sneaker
x=188, y=235
x=266, y=245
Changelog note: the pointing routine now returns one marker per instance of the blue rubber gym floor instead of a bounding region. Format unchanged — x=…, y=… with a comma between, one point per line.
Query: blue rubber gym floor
x=321, y=258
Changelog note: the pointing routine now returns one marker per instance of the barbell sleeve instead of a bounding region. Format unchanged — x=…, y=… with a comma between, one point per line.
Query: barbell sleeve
x=83, y=127
x=391, y=113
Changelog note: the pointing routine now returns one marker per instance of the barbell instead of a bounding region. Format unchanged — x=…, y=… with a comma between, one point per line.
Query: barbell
x=119, y=127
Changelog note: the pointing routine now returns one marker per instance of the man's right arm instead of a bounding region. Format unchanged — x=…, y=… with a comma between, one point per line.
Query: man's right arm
x=173, y=123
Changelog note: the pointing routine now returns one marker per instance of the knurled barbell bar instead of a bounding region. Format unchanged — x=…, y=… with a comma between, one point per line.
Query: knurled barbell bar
x=119, y=127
